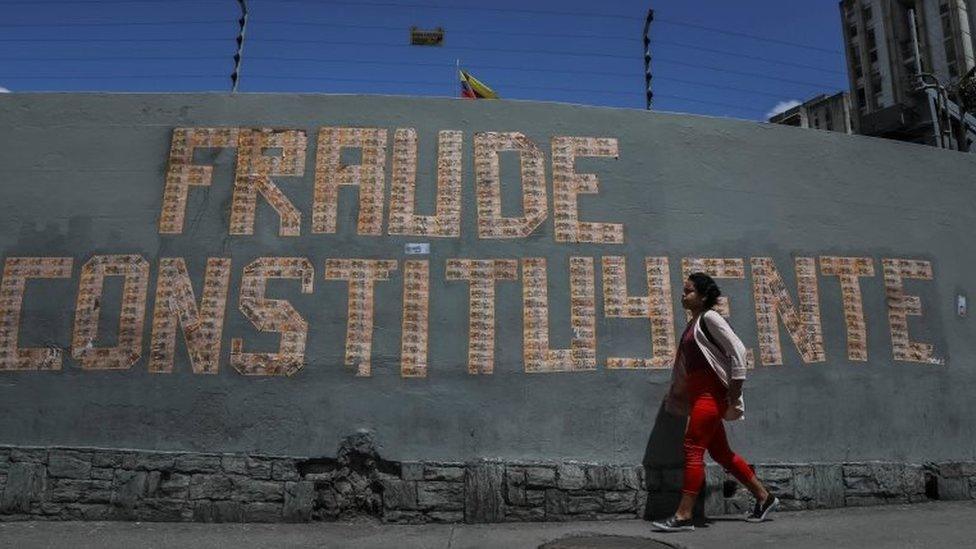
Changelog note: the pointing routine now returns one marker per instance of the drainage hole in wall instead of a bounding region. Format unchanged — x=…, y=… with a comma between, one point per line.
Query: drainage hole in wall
x=931, y=486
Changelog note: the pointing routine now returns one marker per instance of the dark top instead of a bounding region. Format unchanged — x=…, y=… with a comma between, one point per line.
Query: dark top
x=695, y=360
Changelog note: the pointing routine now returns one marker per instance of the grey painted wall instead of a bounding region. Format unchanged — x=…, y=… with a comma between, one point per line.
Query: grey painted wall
x=83, y=175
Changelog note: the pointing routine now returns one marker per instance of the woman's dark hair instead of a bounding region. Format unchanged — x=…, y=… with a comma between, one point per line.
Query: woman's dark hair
x=706, y=287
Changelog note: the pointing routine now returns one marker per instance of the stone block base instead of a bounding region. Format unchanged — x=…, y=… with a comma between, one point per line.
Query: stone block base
x=100, y=484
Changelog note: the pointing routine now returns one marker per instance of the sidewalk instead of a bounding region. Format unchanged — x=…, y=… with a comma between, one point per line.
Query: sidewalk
x=939, y=524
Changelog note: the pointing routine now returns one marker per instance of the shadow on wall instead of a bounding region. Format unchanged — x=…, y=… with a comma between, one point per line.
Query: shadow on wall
x=664, y=467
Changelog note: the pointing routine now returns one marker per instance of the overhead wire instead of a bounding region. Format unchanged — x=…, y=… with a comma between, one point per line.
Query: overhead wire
x=477, y=66
x=660, y=42
x=357, y=3
x=793, y=64
x=542, y=88
x=353, y=3
x=706, y=102
x=353, y=61
x=805, y=83
x=568, y=13
x=325, y=24
x=400, y=81
x=425, y=5
x=119, y=58
x=106, y=76
x=657, y=58
x=103, y=2
x=113, y=23
x=526, y=69
x=808, y=84
x=460, y=48
x=488, y=31
x=760, y=38
x=113, y=40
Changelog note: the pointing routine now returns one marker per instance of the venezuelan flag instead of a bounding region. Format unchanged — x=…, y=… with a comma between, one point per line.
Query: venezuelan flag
x=472, y=88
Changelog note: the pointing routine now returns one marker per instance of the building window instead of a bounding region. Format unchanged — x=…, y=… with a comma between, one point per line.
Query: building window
x=950, y=53
x=946, y=27
x=856, y=62
x=876, y=91
x=909, y=77
x=861, y=101
x=867, y=13
x=947, y=43
x=852, y=30
x=907, y=50
x=872, y=47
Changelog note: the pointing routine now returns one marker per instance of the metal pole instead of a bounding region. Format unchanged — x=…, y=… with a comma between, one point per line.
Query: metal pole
x=649, y=94
x=915, y=50
x=235, y=76
x=936, y=129
x=962, y=142
x=950, y=134
x=969, y=79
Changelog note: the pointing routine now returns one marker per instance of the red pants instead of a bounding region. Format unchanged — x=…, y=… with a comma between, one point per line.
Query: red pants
x=705, y=431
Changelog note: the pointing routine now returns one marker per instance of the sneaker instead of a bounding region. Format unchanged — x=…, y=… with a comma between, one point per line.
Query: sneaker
x=762, y=509
x=673, y=525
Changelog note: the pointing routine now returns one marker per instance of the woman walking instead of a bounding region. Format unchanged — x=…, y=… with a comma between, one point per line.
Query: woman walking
x=706, y=385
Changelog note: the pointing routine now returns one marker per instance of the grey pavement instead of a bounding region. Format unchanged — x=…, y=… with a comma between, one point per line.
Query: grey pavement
x=929, y=525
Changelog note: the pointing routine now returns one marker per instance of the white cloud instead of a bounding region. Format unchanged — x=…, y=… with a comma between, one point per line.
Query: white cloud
x=4, y=90
x=782, y=106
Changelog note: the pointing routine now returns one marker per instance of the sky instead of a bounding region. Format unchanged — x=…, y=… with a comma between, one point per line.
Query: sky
x=711, y=57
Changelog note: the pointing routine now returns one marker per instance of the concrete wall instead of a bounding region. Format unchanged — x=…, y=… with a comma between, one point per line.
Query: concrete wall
x=83, y=175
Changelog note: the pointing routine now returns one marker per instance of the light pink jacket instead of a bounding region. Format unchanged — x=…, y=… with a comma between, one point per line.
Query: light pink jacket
x=728, y=359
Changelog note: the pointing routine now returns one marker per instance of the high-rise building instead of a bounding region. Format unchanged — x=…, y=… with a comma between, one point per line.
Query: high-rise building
x=823, y=112
x=887, y=99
